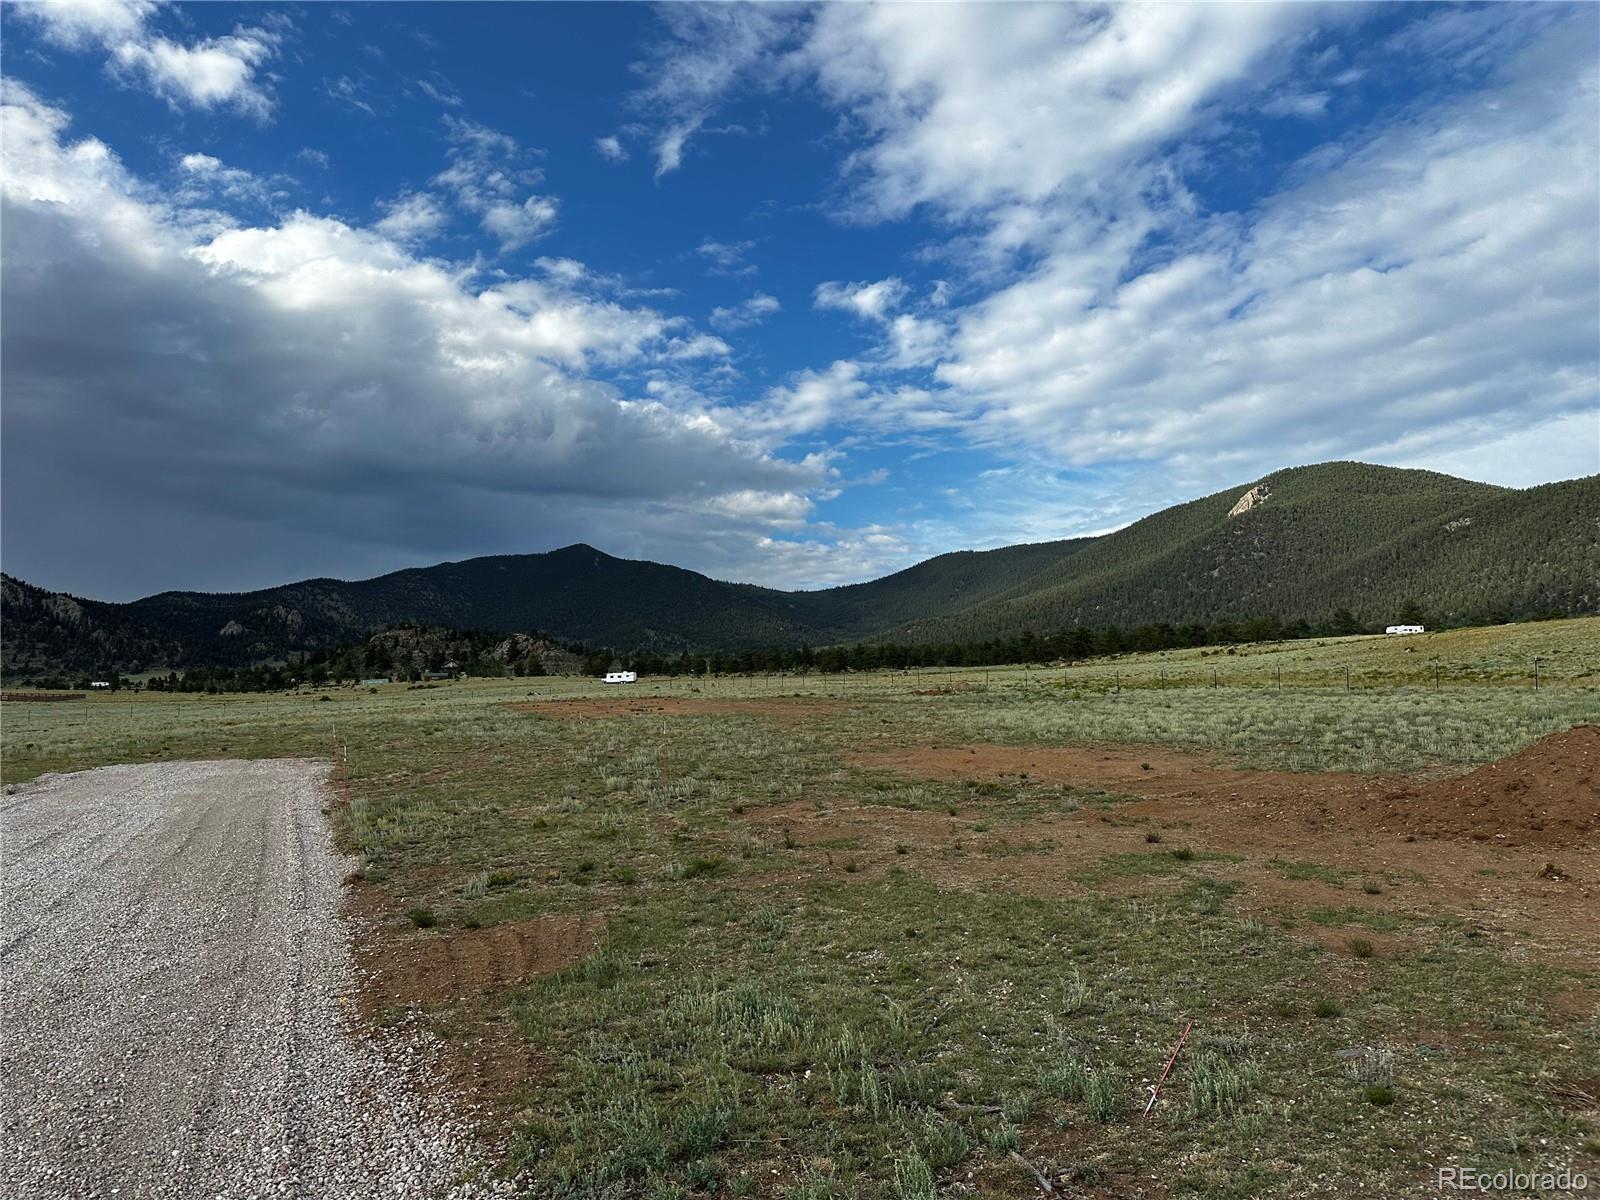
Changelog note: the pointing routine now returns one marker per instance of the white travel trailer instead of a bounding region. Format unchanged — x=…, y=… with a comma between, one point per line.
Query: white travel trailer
x=621, y=677
x=1405, y=629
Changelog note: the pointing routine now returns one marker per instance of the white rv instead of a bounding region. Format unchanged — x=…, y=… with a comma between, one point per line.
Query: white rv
x=1405, y=629
x=621, y=677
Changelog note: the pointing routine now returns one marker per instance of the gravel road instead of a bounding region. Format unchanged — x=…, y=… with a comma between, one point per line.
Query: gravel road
x=174, y=1019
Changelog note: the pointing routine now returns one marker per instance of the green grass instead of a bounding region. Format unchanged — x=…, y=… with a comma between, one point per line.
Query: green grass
x=759, y=1022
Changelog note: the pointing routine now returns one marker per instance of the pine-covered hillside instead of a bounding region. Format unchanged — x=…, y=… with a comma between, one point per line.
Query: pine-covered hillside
x=1312, y=540
x=1301, y=543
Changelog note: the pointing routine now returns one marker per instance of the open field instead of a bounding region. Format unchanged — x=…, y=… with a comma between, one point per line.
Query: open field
x=913, y=934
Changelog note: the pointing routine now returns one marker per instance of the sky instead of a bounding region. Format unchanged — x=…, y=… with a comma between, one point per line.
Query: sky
x=785, y=294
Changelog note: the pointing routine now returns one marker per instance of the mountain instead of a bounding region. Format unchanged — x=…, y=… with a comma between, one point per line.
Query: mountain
x=1302, y=542
x=1309, y=540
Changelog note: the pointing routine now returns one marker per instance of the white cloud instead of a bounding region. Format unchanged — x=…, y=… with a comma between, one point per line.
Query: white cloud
x=716, y=46
x=1429, y=289
x=488, y=172
x=206, y=177
x=327, y=383
x=317, y=158
x=413, y=217
x=87, y=24
x=911, y=340
x=727, y=258
x=752, y=311
x=611, y=148
x=873, y=301
x=217, y=72
x=567, y=270
x=972, y=107
x=440, y=91
x=350, y=92
x=518, y=224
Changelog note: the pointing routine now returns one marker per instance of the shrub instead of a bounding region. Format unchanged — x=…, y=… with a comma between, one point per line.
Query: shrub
x=422, y=918
x=1104, y=1097
x=913, y=1178
x=1218, y=1084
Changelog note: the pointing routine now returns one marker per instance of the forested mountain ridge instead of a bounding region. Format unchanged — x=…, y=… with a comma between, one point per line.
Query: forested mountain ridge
x=1304, y=542
x=1316, y=539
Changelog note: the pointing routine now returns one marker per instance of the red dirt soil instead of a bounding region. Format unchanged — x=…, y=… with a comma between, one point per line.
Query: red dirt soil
x=1548, y=795
x=440, y=967
x=674, y=706
x=1537, y=901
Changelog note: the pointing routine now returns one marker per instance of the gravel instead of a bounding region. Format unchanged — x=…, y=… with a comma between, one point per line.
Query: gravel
x=176, y=1017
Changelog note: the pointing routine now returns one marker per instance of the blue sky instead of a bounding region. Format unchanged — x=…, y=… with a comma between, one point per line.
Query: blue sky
x=795, y=295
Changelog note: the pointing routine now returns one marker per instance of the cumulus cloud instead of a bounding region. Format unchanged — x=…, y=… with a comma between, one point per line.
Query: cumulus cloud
x=1434, y=270
x=216, y=72
x=87, y=24
x=611, y=148
x=910, y=340
x=488, y=172
x=967, y=107
x=219, y=72
x=752, y=311
x=1432, y=284
x=308, y=382
x=205, y=177
x=870, y=300
x=413, y=217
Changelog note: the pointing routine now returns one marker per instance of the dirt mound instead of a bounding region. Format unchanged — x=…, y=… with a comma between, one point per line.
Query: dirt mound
x=437, y=967
x=1548, y=795
x=675, y=706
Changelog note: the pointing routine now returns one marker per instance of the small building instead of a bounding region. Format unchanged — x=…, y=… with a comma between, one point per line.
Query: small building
x=1393, y=629
x=621, y=677
x=100, y=683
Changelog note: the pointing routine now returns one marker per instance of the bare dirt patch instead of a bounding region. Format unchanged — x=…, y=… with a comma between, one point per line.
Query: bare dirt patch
x=677, y=706
x=432, y=967
x=449, y=977
x=1548, y=795
x=1296, y=843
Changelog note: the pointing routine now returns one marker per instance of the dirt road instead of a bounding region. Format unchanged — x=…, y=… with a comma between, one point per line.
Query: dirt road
x=175, y=1019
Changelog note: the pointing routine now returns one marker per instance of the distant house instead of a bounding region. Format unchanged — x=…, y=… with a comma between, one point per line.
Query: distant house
x=374, y=681
x=1405, y=629
x=621, y=677
x=100, y=683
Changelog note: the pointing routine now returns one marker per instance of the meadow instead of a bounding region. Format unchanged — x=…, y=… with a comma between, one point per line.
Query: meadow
x=821, y=976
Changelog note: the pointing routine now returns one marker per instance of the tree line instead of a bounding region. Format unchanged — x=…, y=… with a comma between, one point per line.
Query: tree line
x=418, y=653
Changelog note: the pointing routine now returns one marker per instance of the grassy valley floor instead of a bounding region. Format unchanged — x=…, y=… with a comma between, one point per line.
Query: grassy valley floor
x=907, y=935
